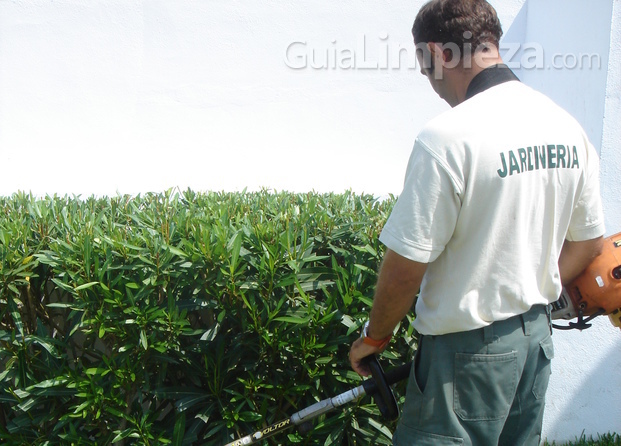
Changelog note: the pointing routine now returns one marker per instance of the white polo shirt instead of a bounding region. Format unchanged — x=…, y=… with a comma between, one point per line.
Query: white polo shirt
x=493, y=188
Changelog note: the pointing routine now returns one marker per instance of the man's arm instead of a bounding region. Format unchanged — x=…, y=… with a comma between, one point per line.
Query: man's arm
x=397, y=285
x=576, y=256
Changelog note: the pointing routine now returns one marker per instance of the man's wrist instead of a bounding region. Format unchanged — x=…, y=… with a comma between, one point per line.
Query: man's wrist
x=377, y=343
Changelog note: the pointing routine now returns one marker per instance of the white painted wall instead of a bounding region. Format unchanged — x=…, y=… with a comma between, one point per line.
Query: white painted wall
x=574, y=37
x=107, y=96
x=122, y=96
x=611, y=132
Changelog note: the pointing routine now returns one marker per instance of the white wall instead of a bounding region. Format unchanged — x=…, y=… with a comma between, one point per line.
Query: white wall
x=573, y=38
x=107, y=96
x=611, y=132
x=122, y=96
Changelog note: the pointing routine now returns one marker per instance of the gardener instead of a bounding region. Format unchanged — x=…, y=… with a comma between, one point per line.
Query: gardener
x=500, y=207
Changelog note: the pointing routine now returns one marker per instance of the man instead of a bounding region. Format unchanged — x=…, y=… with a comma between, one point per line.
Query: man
x=500, y=207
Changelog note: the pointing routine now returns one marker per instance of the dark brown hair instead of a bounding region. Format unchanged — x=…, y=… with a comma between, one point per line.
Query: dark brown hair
x=458, y=22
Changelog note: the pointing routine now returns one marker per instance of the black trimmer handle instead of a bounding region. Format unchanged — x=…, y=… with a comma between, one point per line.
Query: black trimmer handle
x=379, y=386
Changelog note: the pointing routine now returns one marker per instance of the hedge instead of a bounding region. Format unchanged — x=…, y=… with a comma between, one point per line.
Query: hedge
x=185, y=318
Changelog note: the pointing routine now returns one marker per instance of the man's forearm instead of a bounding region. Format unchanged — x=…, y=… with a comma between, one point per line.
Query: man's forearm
x=398, y=283
x=576, y=256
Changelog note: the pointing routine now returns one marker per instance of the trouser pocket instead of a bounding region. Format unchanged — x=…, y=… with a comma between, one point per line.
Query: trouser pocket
x=485, y=385
x=407, y=436
x=544, y=367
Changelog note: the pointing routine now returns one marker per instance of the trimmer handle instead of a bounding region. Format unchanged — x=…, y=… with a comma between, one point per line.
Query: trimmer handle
x=379, y=386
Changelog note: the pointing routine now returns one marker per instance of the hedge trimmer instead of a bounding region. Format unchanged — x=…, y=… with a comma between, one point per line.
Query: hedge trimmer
x=595, y=292
x=378, y=386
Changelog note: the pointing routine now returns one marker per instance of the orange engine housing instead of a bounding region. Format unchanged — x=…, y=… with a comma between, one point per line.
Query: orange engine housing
x=599, y=286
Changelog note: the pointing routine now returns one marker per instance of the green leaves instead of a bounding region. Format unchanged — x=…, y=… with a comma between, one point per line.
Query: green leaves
x=187, y=317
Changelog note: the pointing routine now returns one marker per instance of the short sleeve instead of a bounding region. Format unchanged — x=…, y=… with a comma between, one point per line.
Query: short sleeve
x=425, y=215
x=587, y=219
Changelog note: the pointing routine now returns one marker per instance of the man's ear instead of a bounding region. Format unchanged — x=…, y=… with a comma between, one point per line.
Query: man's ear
x=439, y=53
x=434, y=48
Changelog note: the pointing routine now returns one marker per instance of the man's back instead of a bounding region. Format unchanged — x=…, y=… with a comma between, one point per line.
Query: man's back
x=499, y=177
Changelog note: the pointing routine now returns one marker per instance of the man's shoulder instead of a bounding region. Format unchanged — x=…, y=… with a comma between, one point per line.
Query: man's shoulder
x=498, y=110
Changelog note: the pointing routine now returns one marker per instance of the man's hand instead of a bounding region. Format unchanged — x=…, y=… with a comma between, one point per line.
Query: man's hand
x=358, y=351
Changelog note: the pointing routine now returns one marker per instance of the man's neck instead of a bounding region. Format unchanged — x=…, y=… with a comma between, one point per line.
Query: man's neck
x=490, y=77
x=478, y=64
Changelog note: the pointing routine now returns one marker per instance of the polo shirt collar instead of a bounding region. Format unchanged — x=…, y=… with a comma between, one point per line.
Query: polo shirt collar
x=490, y=77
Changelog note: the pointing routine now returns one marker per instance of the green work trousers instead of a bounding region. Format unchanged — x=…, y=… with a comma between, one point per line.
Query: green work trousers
x=484, y=387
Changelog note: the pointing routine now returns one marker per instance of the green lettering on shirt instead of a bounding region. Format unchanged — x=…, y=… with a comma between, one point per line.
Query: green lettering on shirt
x=575, y=164
x=513, y=163
x=522, y=154
x=542, y=156
x=560, y=156
x=550, y=156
